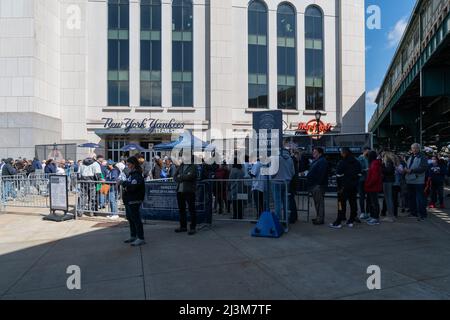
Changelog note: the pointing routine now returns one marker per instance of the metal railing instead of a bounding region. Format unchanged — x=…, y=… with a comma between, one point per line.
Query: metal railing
x=23, y=191
x=98, y=198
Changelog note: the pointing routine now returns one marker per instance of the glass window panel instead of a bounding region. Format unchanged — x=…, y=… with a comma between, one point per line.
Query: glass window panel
x=124, y=57
x=262, y=79
x=176, y=18
x=124, y=93
x=252, y=59
x=145, y=35
x=281, y=80
x=262, y=40
x=177, y=36
x=156, y=93
x=113, y=16
x=156, y=55
x=177, y=76
x=113, y=34
x=113, y=55
x=262, y=59
x=145, y=55
x=177, y=58
x=262, y=99
x=290, y=81
x=145, y=76
x=155, y=35
x=187, y=76
x=145, y=17
x=155, y=75
x=146, y=93
x=123, y=75
x=156, y=17
x=187, y=56
x=309, y=81
x=188, y=94
x=113, y=75
x=187, y=36
x=252, y=78
x=113, y=93
x=177, y=94
x=124, y=16
x=123, y=34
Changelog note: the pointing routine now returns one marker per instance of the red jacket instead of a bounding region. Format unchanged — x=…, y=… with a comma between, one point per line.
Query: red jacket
x=374, y=181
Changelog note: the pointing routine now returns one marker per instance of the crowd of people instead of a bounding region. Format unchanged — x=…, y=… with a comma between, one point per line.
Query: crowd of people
x=408, y=183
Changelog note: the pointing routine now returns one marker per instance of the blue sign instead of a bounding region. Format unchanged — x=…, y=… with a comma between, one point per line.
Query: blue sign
x=272, y=124
x=160, y=202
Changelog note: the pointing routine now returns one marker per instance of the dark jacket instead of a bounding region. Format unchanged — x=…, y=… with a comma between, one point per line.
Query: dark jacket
x=8, y=170
x=133, y=188
x=36, y=165
x=388, y=171
x=437, y=173
x=185, y=177
x=50, y=168
x=113, y=175
x=348, y=172
x=374, y=181
x=318, y=173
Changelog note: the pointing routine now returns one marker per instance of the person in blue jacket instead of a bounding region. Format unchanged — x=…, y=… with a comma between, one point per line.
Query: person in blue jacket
x=36, y=164
x=113, y=177
x=50, y=167
x=437, y=172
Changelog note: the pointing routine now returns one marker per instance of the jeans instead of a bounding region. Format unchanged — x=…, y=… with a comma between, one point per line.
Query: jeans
x=8, y=191
x=134, y=218
x=347, y=194
x=182, y=199
x=389, y=198
x=112, y=200
x=363, y=205
x=374, y=205
x=437, y=191
x=417, y=201
x=318, y=194
x=102, y=199
x=279, y=198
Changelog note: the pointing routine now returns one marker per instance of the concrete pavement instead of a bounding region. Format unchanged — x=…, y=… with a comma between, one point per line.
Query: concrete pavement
x=224, y=262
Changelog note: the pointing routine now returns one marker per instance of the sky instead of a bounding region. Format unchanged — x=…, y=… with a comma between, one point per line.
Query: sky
x=382, y=43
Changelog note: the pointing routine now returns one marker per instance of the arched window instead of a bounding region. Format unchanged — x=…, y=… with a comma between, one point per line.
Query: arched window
x=314, y=62
x=287, y=57
x=257, y=55
x=150, y=53
x=182, y=53
x=118, y=52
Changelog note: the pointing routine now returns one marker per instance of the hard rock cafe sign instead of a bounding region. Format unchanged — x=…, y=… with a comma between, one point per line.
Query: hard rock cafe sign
x=311, y=128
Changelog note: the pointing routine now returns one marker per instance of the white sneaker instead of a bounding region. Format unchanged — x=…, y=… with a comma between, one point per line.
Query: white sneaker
x=114, y=217
x=137, y=243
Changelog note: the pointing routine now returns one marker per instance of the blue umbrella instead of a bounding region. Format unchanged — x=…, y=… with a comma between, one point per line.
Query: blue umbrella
x=90, y=145
x=181, y=143
x=132, y=147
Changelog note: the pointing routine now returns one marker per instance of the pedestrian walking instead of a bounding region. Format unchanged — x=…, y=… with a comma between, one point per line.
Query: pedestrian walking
x=317, y=183
x=133, y=196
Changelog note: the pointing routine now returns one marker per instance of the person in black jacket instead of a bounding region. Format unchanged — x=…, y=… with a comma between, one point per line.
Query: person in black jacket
x=348, y=172
x=133, y=196
x=317, y=184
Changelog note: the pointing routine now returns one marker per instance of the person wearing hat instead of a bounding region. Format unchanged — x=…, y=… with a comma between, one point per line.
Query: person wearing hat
x=112, y=177
x=133, y=196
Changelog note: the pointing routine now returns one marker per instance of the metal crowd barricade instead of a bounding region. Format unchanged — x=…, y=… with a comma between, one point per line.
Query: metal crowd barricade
x=98, y=198
x=234, y=200
x=22, y=191
x=303, y=197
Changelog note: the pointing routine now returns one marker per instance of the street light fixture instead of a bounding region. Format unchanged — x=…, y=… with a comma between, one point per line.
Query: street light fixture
x=318, y=116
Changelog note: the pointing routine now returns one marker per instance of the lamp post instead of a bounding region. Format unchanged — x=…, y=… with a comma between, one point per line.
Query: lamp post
x=318, y=116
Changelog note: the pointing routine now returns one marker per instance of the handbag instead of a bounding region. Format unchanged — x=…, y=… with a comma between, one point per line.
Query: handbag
x=105, y=189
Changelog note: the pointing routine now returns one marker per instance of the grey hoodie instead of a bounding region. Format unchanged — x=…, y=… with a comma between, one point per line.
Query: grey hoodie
x=286, y=169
